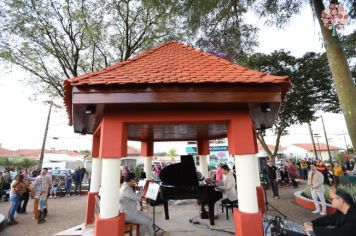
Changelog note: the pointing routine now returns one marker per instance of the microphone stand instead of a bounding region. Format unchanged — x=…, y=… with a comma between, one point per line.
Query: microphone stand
x=264, y=184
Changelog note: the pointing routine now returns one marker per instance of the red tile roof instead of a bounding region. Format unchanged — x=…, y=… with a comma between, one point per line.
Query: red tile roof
x=319, y=147
x=270, y=147
x=35, y=153
x=172, y=62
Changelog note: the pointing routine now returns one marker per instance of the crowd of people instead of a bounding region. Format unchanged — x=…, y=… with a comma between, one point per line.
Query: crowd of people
x=39, y=185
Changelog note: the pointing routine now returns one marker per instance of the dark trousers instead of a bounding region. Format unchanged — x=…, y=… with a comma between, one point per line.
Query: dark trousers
x=295, y=184
x=42, y=214
x=274, y=187
x=78, y=184
x=23, y=203
x=326, y=179
x=305, y=174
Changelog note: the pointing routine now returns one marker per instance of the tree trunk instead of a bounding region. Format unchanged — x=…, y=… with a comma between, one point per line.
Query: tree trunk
x=271, y=156
x=345, y=88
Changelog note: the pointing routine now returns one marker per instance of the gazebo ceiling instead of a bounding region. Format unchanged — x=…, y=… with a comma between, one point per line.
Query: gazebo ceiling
x=173, y=77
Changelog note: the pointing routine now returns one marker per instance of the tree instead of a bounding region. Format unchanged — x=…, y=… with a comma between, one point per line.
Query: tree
x=218, y=16
x=172, y=152
x=312, y=89
x=85, y=153
x=58, y=39
x=340, y=69
x=7, y=162
x=26, y=163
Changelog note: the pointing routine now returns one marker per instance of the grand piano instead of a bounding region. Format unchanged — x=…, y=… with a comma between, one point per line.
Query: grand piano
x=180, y=181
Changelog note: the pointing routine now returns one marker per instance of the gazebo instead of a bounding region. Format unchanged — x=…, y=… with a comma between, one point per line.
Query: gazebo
x=173, y=92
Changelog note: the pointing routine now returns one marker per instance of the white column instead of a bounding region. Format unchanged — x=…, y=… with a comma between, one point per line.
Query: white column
x=246, y=183
x=257, y=169
x=203, y=161
x=148, y=167
x=95, y=179
x=110, y=188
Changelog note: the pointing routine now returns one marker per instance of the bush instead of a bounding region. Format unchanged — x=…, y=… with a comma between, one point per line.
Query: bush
x=351, y=189
x=307, y=193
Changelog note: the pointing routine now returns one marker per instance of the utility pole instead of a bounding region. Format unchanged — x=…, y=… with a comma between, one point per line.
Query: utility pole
x=312, y=138
x=326, y=139
x=347, y=150
x=45, y=133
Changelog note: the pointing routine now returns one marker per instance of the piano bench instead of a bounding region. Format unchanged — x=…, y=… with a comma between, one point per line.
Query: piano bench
x=226, y=203
x=129, y=228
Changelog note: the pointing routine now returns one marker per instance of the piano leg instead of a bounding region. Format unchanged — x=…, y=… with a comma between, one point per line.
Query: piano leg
x=203, y=213
x=165, y=204
x=211, y=213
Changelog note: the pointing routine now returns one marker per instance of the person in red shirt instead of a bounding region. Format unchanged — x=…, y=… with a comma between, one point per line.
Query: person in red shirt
x=292, y=171
x=218, y=173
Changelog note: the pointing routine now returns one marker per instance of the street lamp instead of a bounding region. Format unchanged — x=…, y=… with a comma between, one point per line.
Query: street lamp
x=326, y=138
x=312, y=138
x=46, y=131
x=317, y=136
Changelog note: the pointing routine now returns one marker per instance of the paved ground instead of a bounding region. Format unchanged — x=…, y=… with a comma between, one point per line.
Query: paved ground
x=68, y=212
x=63, y=213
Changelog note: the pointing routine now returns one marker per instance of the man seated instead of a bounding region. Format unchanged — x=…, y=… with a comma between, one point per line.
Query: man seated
x=129, y=196
x=228, y=186
x=341, y=223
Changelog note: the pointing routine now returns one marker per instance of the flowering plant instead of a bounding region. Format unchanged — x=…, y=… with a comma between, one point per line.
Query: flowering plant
x=334, y=17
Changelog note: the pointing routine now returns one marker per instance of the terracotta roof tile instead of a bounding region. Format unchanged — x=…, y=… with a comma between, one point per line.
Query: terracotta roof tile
x=172, y=62
x=319, y=147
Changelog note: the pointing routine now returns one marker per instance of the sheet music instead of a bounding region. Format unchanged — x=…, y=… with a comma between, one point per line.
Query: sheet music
x=141, y=183
x=152, y=191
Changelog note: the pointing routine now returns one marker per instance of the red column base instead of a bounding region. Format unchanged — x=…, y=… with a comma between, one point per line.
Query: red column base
x=247, y=224
x=261, y=199
x=110, y=227
x=89, y=217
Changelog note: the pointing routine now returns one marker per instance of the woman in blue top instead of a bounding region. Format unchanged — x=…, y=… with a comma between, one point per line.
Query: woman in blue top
x=68, y=183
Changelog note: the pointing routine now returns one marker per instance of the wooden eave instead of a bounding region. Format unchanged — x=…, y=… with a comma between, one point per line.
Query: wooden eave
x=177, y=97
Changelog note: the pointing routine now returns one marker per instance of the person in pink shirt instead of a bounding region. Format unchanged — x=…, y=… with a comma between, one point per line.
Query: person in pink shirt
x=218, y=173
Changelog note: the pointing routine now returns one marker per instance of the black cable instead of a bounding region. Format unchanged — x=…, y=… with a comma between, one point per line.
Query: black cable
x=197, y=223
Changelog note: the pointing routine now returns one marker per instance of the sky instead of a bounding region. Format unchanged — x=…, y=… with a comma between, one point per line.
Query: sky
x=22, y=120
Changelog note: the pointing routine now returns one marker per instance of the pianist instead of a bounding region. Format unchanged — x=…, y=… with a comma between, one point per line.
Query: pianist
x=129, y=196
x=341, y=223
x=228, y=186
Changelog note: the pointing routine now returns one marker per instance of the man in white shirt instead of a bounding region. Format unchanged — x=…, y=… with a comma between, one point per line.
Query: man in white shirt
x=315, y=183
x=128, y=204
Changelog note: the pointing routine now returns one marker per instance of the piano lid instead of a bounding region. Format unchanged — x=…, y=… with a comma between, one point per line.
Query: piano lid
x=180, y=174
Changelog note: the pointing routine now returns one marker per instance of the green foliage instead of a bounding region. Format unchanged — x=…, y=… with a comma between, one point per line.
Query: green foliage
x=7, y=162
x=340, y=158
x=26, y=163
x=312, y=88
x=351, y=189
x=137, y=171
x=172, y=152
x=19, y=163
x=307, y=193
x=86, y=153
x=58, y=39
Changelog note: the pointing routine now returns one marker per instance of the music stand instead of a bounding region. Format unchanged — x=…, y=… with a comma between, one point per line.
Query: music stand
x=152, y=194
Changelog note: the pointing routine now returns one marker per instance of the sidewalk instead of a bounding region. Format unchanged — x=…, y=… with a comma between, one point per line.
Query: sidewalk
x=62, y=213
